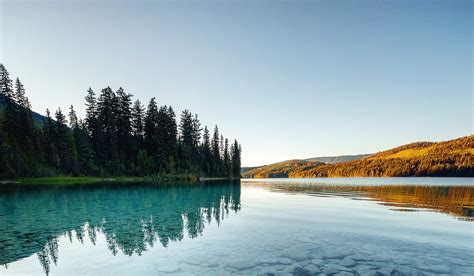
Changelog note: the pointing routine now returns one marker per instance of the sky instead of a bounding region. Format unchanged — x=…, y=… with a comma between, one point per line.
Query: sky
x=288, y=79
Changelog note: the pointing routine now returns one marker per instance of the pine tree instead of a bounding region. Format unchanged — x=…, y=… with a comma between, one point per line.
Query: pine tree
x=91, y=117
x=138, y=114
x=186, y=139
x=137, y=124
x=227, y=165
x=216, y=157
x=151, y=139
x=64, y=144
x=235, y=155
x=124, y=128
x=206, y=159
x=6, y=89
x=85, y=153
x=107, y=140
x=171, y=140
x=48, y=143
x=73, y=123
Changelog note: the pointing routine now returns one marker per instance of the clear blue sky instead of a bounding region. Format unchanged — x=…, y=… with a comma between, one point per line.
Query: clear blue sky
x=289, y=79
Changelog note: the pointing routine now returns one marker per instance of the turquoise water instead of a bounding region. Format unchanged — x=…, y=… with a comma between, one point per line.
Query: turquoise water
x=409, y=226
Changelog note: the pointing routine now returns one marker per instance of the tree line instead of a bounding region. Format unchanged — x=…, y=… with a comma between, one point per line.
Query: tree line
x=118, y=136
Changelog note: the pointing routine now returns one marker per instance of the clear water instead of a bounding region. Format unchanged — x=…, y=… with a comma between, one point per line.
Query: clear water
x=282, y=227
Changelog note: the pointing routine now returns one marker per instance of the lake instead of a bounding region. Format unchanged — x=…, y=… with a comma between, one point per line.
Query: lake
x=344, y=226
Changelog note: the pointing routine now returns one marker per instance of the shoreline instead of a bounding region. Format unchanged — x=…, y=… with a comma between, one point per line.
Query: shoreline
x=73, y=180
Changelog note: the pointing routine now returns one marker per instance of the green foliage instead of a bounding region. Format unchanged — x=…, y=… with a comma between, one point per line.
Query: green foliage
x=115, y=138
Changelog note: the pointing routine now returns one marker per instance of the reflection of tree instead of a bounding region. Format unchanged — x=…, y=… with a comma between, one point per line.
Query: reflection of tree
x=131, y=217
x=456, y=201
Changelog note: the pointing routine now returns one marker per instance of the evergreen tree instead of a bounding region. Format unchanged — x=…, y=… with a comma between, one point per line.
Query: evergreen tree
x=206, y=158
x=190, y=134
x=171, y=140
x=124, y=128
x=216, y=157
x=107, y=136
x=235, y=155
x=227, y=165
x=137, y=124
x=91, y=117
x=65, y=146
x=138, y=114
x=6, y=89
x=151, y=136
x=85, y=153
x=48, y=143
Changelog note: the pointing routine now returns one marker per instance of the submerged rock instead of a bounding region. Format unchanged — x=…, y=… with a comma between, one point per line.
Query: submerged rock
x=345, y=273
x=318, y=262
x=360, y=257
x=301, y=272
x=313, y=268
x=284, y=261
x=347, y=262
x=386, y=270
x=333, y=268
x=365, y=270
x=297, y=255
x=242, y=264
x=335, y=254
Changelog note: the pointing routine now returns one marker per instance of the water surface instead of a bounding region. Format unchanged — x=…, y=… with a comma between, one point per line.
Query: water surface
x=359, y=226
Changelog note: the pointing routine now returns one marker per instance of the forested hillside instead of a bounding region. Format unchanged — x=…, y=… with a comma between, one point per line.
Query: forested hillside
x=337, y=159
x=450, y=158
x=118, y=136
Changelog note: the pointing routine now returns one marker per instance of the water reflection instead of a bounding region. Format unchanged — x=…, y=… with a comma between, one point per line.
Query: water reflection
x=457, y=201
x=131, y=217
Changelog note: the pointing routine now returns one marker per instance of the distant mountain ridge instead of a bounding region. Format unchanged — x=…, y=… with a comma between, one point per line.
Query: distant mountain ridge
x=337, y=159
x=321, y=159
x=448, y=158
x=38, y=118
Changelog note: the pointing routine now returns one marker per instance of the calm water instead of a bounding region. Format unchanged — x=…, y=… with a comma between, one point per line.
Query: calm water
x=408, y=226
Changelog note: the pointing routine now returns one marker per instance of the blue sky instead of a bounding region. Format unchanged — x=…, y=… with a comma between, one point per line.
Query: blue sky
x=288, y=79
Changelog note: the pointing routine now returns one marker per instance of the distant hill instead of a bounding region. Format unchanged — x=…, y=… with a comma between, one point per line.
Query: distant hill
x=280, y=169
x=450, y=158
x=337, y=159
x=38, y=118
x=322, y=159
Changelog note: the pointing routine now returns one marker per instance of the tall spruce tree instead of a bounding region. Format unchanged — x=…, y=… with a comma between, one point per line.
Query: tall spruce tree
x=227, y=165
x=137, y=124
x=216, y=156
x=235, y=155
x=206, y=158
x=151, y=135
x=64, y=145
x=107, y=137
x=48, y=141
x=92, y=117
x=124, y=129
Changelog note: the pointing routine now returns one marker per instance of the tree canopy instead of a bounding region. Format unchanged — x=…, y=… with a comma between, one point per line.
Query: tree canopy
x=118, y=136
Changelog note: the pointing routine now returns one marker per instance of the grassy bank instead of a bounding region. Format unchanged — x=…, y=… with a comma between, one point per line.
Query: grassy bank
x=65, y=180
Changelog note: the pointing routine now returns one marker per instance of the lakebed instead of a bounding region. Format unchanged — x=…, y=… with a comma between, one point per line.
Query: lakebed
x=282, y=227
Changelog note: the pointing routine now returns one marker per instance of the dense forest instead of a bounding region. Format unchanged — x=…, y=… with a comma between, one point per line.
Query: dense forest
x=449, y=158
x=118, y=136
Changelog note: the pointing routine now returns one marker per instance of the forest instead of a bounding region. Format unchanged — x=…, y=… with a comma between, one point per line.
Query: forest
x=448, y=158
x=117, y=137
